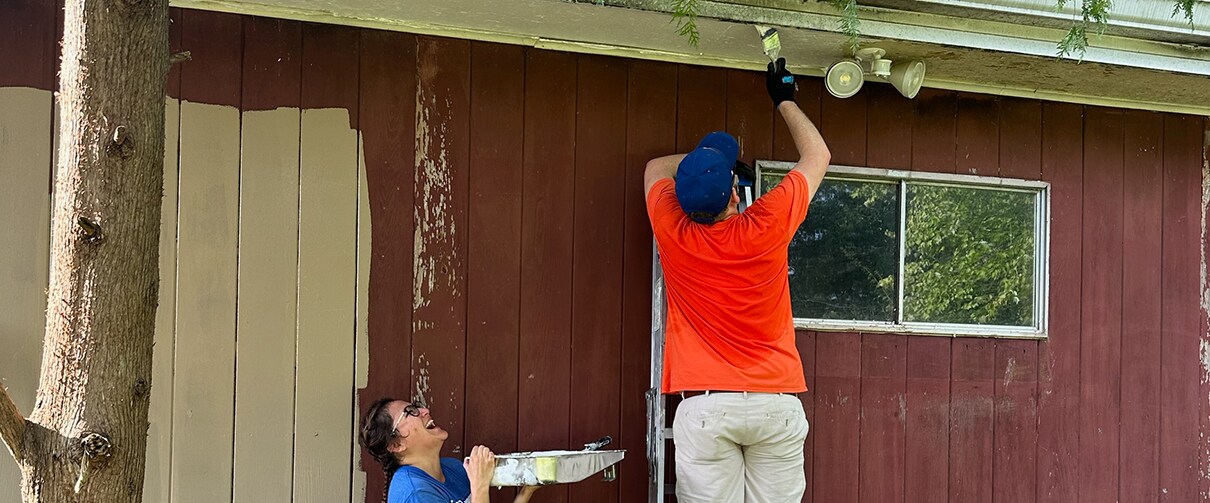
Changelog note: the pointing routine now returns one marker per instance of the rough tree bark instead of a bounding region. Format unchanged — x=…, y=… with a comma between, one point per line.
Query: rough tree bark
x=91, y=412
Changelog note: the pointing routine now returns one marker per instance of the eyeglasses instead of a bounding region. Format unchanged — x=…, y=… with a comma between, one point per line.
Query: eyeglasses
x=408, y=410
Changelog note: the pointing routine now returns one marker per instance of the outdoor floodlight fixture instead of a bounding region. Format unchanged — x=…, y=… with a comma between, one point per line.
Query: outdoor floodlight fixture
x=907, y=77
x=845, y=77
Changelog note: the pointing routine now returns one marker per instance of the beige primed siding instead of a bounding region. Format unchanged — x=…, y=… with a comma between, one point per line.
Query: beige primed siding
x=361, y=362
x=25, y=167
x=204, y=396
x=268, y=266
x=157, y=476
x=327, y=288
x=256, y=336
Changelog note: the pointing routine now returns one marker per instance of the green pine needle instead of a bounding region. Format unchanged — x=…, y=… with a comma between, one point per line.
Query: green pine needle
x=849, y=24
x=684, y=12
x=1184, y=7
x=1092, y=12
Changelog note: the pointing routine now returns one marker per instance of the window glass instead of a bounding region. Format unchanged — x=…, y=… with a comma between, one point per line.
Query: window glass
x=928, y=253
x=969, y=256
x=843, y=259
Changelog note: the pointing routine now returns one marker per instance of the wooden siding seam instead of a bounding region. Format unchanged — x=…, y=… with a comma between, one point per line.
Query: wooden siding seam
x=355, y=123
x=176, y=271
x=302, y=58
x=575, y=157
x=1204, y=319
x=861, y=420
x=521, y=242
x=176, y=285
x=239, y=223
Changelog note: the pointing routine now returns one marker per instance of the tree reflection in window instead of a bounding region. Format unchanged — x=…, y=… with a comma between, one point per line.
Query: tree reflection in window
x=843, y=258
x=969, y=252
x=970, y=256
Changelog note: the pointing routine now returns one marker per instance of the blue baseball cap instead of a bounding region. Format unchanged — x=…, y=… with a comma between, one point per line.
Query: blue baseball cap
x=704, y=179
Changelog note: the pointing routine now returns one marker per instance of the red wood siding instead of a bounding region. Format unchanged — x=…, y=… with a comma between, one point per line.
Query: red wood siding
x=510, y=277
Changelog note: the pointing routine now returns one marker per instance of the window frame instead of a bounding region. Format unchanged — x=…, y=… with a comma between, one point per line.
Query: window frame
x=901, y=179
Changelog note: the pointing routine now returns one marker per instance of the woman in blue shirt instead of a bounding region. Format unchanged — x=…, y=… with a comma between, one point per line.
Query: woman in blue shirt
x=406, y=440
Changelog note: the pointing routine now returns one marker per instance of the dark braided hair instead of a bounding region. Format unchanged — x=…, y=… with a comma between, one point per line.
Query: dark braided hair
x=376, y=436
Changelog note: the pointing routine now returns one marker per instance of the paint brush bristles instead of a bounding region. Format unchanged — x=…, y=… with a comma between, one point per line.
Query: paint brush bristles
x=769, y=41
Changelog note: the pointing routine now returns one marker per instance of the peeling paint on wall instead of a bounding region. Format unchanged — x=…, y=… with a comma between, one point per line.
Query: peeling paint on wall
x=422, y=381
x=903, y=409
x=1205, y=314
x=435, y=223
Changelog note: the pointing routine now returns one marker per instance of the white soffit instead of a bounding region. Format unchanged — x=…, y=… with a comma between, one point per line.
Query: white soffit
x=1143, y=19
x=965, y=54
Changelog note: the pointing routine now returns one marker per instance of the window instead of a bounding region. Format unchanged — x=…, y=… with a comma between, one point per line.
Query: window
x=925, y=253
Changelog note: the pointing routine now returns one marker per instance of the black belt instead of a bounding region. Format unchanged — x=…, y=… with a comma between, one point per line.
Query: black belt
x=693, y=393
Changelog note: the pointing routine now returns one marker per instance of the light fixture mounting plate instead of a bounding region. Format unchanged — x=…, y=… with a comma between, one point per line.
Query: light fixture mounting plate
x=870, y=53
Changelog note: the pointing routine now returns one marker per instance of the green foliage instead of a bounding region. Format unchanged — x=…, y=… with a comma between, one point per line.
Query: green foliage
x=844, y=258
x=1094, y=12
x=1184, y=7
x=849, y=24
x=969, y=256
x=684, y=13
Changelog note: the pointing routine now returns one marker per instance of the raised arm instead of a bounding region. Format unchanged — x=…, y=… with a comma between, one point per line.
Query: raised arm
x=813, y=154
x=660, y=168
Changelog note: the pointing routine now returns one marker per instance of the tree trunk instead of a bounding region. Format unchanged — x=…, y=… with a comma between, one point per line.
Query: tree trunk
x=91, y=412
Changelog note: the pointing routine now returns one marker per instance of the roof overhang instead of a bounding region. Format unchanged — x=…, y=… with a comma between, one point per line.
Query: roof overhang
x=981, y=48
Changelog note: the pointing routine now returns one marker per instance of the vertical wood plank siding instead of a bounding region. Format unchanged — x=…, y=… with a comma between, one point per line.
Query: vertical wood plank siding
x=327, y=263
x=1014, y=462
x=387, y=119
x=1059, y=355
x=1101, y=332
x=548, y=184
x=494, y=246
x=508, y=254
x=207, y=245
x=1142, y=252
x=1180, y=320
x=596, y=308
x=439, y=214
x=269, y=180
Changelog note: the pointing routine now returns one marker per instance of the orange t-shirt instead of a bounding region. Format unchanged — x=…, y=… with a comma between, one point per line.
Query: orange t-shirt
x=729, y=321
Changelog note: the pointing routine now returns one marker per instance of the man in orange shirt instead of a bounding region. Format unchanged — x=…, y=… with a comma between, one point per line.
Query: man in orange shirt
x=730, y=348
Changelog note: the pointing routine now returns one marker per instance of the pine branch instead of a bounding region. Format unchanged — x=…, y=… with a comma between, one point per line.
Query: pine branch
x=684, y=12
x=1184, y=7
x=849, y=24
x=1092, y=12
x=12, y=425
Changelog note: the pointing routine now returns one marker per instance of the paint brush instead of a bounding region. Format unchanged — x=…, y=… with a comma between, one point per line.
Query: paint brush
x=769, y=41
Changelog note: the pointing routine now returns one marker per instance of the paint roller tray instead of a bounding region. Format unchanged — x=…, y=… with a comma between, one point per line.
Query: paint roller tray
x=551, y=467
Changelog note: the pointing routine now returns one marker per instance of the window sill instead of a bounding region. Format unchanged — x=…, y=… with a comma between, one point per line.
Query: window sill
x=928, y=329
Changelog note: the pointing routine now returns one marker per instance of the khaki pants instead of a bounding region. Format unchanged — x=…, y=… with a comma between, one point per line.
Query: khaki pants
x=740, y=448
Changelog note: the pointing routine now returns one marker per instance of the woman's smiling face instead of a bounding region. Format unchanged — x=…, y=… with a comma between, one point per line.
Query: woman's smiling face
x=415, y=428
